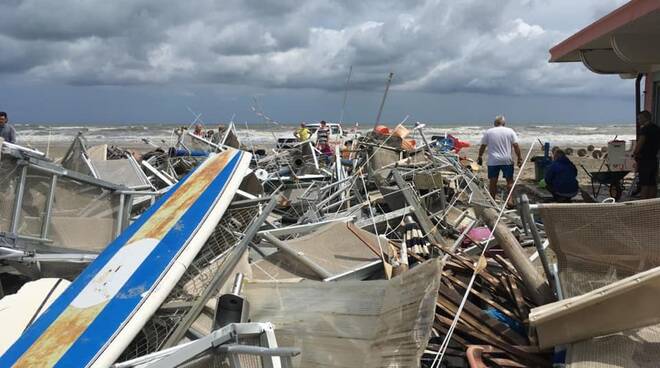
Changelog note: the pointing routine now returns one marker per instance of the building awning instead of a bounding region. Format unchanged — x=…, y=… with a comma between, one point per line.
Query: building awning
x=626, y=41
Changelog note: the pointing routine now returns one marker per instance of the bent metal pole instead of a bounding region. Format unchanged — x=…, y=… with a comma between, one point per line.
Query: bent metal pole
x=382, y=102
x=535, y=283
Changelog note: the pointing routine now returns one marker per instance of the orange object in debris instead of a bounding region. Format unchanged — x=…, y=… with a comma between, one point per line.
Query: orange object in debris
x=382, y=129
x=400, y=131
x=458, y=144
x=408, y=144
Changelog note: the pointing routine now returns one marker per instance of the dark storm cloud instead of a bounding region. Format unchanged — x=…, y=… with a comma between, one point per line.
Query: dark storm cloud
x=433, y=45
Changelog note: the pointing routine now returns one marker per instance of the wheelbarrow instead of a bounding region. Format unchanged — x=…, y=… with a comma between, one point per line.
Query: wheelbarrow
x=612, y=179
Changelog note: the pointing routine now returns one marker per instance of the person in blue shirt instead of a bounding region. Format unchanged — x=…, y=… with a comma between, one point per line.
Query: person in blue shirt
x=561, y=178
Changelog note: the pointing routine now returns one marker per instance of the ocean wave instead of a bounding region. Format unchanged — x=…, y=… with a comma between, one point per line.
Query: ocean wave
x=259, y=134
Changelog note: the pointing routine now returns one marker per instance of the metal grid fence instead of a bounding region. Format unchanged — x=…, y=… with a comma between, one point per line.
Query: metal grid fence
x=197, y=277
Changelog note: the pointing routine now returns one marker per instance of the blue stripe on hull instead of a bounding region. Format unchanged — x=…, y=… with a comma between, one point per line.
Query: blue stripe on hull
x=130, y=296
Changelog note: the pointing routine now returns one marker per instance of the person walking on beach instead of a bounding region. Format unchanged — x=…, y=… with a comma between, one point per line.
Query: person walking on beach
x=646, y=155
x=7, y=132
x=499, y=140
x=302, y=133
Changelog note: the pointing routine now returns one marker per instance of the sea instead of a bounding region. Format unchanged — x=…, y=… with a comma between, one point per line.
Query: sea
x=560, y=134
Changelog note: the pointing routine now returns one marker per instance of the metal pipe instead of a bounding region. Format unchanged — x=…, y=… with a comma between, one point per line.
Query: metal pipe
x=238, y=284
x=382, y=102
x=343, y=105
x=555, y=276
x=638, y=102
x=49, y=207
x=334, y=195
x=538, y=242
x=304, y=228
x=320, y=271
x=420, y=214
x=90, y=165
x=443, y=200
x=21, y=148
x=536, y=285
x=128, y=205
x=316, y=159
x=49, y=168
x=221, y=276
x=335, y=183
x=338, y=204
x=259, y=350
x=158, y=174
x=523, y=220
x=216, y=146
x=120, y=215
x=18, y=201
x=145, y=193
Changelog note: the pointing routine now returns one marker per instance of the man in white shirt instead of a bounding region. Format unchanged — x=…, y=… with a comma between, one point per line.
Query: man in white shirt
x=499, y=141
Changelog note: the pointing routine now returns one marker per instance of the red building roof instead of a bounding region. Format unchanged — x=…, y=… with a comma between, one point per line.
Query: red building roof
x=626, y=41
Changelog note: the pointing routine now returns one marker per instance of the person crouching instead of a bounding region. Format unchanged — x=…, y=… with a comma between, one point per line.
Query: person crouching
x=561, y=178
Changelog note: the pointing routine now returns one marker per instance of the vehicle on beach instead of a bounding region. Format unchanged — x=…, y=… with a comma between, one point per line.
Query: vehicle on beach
x=336, y=137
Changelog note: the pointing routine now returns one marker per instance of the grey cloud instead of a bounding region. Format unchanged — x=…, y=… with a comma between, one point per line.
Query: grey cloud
x=432, y=45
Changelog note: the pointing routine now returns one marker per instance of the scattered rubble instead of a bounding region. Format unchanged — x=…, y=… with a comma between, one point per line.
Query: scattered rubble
x=390, y=252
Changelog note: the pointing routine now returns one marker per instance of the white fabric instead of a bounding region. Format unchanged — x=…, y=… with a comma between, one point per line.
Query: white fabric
x=17, y=310
x=499, y=140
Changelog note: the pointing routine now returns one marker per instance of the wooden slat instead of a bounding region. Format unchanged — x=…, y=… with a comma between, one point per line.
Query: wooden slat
x=481, y=296
x=476, y=312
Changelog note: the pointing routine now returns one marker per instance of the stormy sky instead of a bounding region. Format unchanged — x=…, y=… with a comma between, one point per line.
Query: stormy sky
x=454, y=61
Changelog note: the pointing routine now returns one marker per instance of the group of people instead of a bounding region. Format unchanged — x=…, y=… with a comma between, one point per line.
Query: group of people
x=214, y=136
x=561, y=174
x=322, y=137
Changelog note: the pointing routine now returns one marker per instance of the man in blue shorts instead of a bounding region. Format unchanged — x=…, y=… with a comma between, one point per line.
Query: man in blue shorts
x=499, y=140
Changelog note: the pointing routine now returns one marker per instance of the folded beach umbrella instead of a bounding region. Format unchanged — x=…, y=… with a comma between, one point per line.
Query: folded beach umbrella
x=414, y=238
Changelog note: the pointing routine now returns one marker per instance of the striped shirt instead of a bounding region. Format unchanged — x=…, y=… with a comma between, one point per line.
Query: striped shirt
x=322, y=135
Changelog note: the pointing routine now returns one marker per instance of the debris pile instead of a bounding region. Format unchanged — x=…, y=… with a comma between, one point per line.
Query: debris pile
x=386, y=251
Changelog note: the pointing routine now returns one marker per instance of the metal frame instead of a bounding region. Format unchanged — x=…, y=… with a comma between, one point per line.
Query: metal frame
x=527, y=217
x=26, y=161
x=220, y=277
x=224, y=341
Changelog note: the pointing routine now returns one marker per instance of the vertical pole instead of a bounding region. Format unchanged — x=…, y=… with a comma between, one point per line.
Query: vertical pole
x=382, y=102
x=420, y=214
x=128, y=205
x=538, y=242
x=18, y=201
x=638, y=101
x=443, y=198
x=120, y=214
x=343, y=105
x=49, y=207
x=316, y=160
